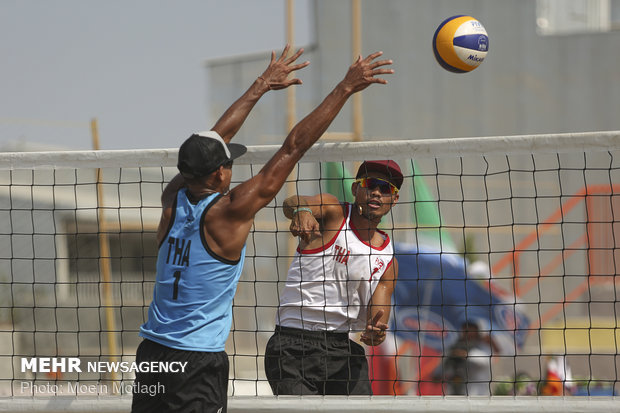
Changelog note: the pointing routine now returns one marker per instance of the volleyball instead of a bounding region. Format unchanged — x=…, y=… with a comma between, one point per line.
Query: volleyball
x=460, y=44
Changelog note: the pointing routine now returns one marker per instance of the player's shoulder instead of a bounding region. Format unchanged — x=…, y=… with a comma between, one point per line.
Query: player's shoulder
x=169, y=197
x=332, y=209
x=327, y=201
x=219, y=204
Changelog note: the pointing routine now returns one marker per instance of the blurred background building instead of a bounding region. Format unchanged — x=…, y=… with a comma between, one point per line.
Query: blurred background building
x=552, y=67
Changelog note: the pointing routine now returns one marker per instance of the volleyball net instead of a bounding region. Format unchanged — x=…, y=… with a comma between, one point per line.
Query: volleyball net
x=508, y=247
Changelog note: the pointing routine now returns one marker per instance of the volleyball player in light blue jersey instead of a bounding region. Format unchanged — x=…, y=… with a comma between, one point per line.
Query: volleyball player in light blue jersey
x=202, y=234
x=191, y=311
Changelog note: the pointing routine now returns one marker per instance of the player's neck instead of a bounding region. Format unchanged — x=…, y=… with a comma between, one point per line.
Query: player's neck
x=365, y=226
x=197, y=194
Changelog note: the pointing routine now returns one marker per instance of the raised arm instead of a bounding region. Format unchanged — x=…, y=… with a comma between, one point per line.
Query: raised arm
x=305, y=212
x=249, y=197
x=379, y=307
x=275, y=77
x=232, y=216
x=320, y=205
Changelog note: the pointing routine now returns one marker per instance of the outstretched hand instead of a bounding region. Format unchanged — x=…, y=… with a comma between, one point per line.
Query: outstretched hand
x=305, y=226
x=375, y=331
x=276, y=76
x=363, y=72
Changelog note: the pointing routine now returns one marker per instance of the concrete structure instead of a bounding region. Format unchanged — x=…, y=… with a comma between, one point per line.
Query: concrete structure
x=529, y=83
x=549, y=69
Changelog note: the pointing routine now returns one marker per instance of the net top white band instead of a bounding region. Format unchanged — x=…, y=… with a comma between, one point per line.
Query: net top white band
x=330, y=152
x=427, y=404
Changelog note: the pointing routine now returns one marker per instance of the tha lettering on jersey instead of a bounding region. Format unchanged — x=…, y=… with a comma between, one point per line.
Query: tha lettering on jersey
x=341, y=254
x=178, y=250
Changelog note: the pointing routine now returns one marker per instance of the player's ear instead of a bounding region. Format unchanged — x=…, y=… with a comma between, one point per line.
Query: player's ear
x=219, y=174
x=395, y=198
x=354, y=186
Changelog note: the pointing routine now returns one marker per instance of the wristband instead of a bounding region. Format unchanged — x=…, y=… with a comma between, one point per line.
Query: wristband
x=302, y=209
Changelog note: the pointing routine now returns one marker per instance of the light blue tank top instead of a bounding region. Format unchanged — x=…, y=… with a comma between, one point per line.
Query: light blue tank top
x=194, y=288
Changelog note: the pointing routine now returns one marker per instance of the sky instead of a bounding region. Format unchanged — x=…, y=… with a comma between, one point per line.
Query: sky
x=136, y=66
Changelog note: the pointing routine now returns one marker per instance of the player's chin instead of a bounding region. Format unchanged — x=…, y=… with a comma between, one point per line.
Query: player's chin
x=376, y=215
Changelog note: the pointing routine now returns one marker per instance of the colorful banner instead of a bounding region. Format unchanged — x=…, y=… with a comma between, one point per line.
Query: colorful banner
x=433, y=298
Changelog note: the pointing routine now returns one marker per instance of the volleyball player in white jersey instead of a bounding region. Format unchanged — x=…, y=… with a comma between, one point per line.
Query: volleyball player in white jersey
x=340, y=281
x=202, y=235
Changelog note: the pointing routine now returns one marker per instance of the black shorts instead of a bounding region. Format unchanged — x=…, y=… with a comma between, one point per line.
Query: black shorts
x=202, y=387
x=301, y=362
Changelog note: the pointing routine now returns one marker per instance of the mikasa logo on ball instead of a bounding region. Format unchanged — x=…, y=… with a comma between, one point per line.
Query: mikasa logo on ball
x=460, y=44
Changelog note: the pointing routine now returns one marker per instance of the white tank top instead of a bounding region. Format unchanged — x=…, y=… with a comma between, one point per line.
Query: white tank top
x=329, y=288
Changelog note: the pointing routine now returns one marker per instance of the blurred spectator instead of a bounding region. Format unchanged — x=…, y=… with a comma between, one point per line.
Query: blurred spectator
x=558, y=379
x=467, y=367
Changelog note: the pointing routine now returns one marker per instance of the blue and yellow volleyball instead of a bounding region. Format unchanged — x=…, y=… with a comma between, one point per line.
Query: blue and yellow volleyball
x=460, y=44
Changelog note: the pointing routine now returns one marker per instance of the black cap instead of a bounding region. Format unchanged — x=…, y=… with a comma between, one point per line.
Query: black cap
x=387, y=168
x=204, y=152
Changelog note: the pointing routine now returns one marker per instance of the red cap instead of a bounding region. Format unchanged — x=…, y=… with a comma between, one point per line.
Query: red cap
x=388, y=168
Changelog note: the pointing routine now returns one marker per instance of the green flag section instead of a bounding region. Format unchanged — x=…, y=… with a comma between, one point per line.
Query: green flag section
x=337, y=181
x=426, y=215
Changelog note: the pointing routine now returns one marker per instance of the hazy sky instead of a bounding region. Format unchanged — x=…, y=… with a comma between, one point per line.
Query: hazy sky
x=135, y=65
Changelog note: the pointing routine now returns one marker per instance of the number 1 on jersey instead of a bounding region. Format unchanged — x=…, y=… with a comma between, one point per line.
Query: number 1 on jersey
x=177, y=278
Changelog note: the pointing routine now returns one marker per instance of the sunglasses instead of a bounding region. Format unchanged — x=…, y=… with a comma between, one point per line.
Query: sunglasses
x=385, y=187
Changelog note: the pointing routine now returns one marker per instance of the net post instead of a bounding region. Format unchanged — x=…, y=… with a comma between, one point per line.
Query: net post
x=104, y=260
